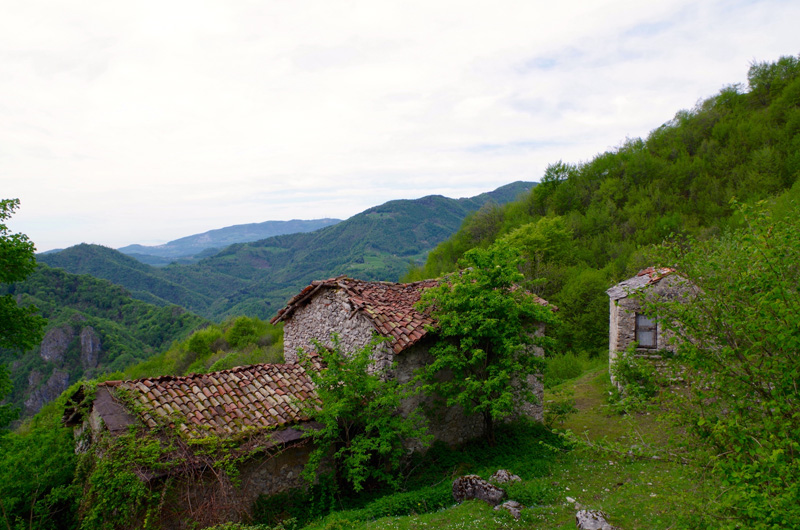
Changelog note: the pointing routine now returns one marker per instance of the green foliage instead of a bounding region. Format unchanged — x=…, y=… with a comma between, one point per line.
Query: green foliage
x=560, y=406
x=739, y=332
x=116, y=493
x=20, y=326
x=563, y=366
x=638, y=379
x=363, y=431
x=299, y=505
x=37, y=465
x=485, y=327
x=524, y=447
x=236, y=342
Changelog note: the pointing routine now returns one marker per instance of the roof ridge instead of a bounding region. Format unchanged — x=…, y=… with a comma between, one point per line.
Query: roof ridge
x=188, y=377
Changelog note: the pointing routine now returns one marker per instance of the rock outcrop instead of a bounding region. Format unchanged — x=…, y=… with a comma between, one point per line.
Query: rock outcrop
x=39, y=397
x=592, y=520
x=503, y=475
x=474, y=487
x=90, y=348
x=55, y=343
x=513, y=507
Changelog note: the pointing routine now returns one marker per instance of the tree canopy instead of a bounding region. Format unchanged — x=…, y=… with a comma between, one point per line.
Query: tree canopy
x=20, y=327
x=485, y=329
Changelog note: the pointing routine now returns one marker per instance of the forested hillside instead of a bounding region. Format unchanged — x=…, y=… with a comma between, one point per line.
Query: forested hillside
x=255, y=279
x=94, y=327
x=586, y=225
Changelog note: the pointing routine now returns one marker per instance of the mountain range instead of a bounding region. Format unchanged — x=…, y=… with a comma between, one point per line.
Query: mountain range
x=256, y=278
x=197, y=246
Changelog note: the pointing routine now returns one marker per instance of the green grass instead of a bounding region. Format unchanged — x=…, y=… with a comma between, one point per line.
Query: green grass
x=635, y=491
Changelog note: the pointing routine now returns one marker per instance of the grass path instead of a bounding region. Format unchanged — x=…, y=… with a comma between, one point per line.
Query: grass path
x=636, y=493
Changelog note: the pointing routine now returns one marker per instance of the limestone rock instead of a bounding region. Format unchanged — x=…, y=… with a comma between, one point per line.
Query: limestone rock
x=90, y=348
x=592, y=520
x=503, y=475
x=474, y=487
x=54, y=344
x=38, y=397
x=513, y=508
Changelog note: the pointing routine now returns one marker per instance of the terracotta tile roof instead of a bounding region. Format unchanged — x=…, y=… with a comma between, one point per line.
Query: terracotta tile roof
x=644, y=277
x=389, y=306
x=227, y=403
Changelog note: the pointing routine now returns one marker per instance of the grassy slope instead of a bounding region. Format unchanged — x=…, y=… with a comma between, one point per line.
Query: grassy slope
x=635, y=492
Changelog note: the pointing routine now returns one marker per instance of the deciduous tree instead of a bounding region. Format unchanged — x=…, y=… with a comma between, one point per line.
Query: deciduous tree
x=485, y=329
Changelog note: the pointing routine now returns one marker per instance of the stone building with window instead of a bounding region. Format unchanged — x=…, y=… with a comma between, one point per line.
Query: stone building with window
x=630, y=324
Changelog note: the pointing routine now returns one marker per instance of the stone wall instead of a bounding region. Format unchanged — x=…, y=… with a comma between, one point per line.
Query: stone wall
x=447, y=424
x=327, y=312
x=208, y=501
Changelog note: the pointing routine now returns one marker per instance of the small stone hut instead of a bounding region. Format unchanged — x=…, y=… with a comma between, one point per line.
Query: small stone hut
x=629, y=323
x=357, y=310
x=256, y=407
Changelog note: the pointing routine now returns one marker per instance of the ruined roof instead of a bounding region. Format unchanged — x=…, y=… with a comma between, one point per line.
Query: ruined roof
x=388, y=306
x=224, y=404
x=643, y=278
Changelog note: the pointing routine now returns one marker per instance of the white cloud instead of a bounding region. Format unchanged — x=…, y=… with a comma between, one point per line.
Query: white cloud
x=148, y=121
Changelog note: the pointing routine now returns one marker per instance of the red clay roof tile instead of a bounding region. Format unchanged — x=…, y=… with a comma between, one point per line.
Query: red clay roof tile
x=224, y=403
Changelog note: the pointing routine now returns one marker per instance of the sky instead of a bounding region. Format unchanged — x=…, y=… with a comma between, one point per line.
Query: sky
x=142, y=122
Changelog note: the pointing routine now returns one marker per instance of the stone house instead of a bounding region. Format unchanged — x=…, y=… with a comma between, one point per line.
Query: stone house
x=263, y=404
x=629, y=323
x=256, y=407
x=357, y=310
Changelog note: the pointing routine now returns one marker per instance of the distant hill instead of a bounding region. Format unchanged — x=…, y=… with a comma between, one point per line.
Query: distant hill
x=190, y=248
x=256, y=278
x=94, y=327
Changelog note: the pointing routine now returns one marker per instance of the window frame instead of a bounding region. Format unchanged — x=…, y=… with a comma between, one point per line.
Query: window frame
x=638, y=328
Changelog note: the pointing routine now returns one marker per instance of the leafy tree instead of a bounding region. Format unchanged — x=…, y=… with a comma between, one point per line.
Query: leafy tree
x=485, y=329
x=20, y=327
x=739, y=335
x=363, y=430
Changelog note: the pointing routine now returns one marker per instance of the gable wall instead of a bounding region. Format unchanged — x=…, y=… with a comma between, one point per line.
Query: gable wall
x=326, y=312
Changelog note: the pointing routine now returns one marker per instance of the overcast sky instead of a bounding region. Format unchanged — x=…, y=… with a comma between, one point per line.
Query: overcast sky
x=141, y=122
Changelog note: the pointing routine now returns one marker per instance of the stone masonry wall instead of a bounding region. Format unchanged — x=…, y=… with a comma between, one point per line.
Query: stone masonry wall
x=327, y=312
x=205, y=501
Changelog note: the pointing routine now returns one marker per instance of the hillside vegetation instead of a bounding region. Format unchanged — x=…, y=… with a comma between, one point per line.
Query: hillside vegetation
x=256, y=279
x=94, y=327
x=584, y=226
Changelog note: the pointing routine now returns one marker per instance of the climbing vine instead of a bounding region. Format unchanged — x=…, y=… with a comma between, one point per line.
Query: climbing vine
x=128, y=478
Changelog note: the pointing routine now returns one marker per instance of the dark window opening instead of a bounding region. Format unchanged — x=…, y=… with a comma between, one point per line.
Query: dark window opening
x=645, y=331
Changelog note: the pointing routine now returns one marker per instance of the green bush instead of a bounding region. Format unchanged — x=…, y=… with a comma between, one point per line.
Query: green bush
x=639, y=381
x=531, y=492
x=560, y=368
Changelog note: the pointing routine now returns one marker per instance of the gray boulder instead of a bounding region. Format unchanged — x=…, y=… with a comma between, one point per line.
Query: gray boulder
x=513, y=508
x=474, y=487
x=503, y=475
x=592, y=520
